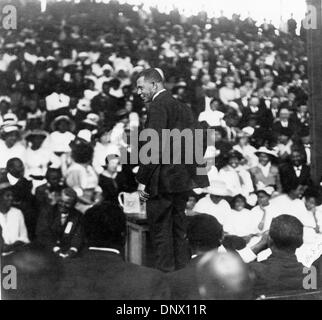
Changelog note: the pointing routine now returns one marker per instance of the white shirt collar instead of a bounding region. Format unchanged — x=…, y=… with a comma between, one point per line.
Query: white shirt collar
x=12, y=180
x=105, y=250
x=158, y=94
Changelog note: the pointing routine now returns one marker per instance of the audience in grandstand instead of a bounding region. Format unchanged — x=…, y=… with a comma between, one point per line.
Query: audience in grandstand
x=68, y=107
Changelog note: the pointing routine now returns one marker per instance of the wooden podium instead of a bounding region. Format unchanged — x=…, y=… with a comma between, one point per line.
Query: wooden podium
x=137, y=247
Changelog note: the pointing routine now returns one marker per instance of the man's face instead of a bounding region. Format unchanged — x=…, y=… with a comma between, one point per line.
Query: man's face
x=17, y=169
x=284, y=115
x=145, y=89
x=54, y=178
x=296, y=158
x=254, y=102
x=65, y=203
x=11, y=138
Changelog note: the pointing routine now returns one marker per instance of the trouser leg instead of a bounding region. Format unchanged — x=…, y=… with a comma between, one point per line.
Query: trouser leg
x=159, y=214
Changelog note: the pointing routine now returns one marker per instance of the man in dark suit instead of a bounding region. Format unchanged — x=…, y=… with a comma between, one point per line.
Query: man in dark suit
x=165, y=186
x=281, y=271
x=263, y=115
x=100, y=273
x=284, y=121
x=204, y=234
x=60, y=226
x=296, y=172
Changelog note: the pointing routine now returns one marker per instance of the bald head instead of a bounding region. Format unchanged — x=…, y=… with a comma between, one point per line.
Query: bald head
x=223, y=276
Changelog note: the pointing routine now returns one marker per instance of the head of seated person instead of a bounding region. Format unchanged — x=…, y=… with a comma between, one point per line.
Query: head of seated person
x=105, y=226
x=285, y=234
x=204, y=233
x=295, y=190
x=223, y=276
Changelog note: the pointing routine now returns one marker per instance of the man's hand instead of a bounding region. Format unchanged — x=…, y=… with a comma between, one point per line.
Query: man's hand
x=263, y=244
x=144, y=196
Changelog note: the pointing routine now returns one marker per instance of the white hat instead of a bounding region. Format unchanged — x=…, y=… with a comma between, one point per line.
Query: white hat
x=85, y=134
x=83, y=55
x=266, y=151
x=248, y=131
x=268, y=190
x=84, y=105
x=219, y=188
x=92, y=119
x=10, y=128
x=210, y=86
x=107, y=67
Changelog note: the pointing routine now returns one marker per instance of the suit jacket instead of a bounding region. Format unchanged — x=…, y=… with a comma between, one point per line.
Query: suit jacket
x=280, y=272
x=50, y=232
x=263, y=115
x=165, y=112
x=273, y=177
x=98, y=275
x=183, y=283
x=288, y=175
x=277, y=127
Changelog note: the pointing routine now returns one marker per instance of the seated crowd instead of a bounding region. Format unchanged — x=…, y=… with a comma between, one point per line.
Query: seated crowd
x=68, y=107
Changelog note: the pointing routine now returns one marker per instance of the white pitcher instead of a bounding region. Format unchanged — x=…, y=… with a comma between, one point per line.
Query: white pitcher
x=131, y=203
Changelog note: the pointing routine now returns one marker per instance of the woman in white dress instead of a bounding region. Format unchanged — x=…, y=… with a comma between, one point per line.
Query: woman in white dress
x=82, y=177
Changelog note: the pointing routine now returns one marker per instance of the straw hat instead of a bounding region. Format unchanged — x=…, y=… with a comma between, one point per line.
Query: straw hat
x=271, y=153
